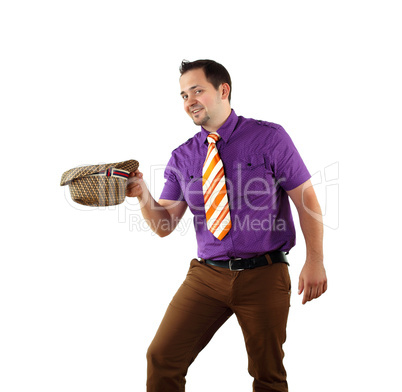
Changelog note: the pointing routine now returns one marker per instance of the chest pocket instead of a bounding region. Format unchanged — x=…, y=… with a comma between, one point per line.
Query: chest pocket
x=193, y=187
x=252, y=175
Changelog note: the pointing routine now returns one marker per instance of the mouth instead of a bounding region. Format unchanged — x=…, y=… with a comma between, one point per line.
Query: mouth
x=196, y=111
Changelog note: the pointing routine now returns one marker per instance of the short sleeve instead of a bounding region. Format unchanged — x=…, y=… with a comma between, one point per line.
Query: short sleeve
x=287, y=164
x=172, y=189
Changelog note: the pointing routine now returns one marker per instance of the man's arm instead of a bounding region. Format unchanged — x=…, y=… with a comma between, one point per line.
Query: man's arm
x=313, y=279
x=163, y=216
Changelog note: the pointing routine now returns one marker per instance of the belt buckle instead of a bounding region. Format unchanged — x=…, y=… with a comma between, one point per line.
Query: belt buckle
x=231, y=263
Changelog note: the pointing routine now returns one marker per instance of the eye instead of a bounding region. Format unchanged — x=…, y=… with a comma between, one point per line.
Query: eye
x=184, y=97
x=198, y=91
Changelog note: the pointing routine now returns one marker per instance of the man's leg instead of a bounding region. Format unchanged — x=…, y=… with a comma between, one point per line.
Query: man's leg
x=192, y=318
x=262, y=300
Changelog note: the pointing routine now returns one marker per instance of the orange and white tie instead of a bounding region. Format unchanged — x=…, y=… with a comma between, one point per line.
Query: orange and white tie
x=215, y=192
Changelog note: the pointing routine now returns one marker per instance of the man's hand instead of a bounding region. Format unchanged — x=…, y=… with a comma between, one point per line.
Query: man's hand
x=135, y=184
x=312, y=280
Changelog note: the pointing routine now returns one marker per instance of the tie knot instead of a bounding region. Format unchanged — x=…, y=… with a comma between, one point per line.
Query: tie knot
x=213, y=137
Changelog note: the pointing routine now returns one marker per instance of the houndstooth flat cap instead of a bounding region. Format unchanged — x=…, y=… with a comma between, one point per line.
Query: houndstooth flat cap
x=99, y=185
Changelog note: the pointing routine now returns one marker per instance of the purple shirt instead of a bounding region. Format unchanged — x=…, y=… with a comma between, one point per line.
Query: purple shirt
x=260, y=163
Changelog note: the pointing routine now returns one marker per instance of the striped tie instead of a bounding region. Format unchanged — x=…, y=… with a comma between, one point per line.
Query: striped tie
x=214, y=190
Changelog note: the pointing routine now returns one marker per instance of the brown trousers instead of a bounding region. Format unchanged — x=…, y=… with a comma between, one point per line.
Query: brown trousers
x=260, y=299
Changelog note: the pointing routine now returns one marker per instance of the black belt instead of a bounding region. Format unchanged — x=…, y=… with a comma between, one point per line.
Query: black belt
x=253, y=262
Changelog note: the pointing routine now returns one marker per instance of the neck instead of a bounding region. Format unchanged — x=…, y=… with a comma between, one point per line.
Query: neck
x=213, y=127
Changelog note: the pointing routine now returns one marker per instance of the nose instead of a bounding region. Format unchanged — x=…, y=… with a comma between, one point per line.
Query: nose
x=190, y=102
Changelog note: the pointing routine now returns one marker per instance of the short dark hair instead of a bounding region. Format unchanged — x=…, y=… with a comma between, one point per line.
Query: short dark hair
x=215, y=73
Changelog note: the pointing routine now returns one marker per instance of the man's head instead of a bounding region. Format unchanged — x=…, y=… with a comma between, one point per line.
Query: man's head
x=206, y=91
x=215, y=73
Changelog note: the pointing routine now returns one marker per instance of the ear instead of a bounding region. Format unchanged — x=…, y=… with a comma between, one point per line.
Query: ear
x=225, y=90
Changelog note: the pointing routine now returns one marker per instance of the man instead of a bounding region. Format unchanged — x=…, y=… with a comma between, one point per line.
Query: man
x=235, y=175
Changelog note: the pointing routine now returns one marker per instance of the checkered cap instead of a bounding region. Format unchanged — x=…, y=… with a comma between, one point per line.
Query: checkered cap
x=99, y=185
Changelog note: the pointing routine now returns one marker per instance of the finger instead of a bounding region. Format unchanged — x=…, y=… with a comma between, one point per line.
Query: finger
x=132, y=186
x=134, y=180
x=314, y=292
x=304, y=300
x=307, y=295
x=301, y=285
x=130, y=183
x=135, y=187
x=320, y=290
x=135, y=173
x=323, y=288
x=138, y=174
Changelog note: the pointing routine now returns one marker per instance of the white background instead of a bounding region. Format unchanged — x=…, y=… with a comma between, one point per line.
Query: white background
x=82, y=290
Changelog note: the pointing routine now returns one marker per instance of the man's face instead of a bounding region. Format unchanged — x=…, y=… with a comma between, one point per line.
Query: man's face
x=201, y=101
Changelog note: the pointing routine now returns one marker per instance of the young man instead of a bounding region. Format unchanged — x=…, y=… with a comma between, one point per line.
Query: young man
x=236, y=175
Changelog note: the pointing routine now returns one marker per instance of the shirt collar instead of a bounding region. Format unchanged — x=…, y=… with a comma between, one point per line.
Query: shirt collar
x=226, y=130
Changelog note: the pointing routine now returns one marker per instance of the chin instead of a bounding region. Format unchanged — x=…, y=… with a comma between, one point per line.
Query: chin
x=201, y=121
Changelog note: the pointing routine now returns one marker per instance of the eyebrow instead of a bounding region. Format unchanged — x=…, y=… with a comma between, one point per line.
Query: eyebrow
x=191, y=88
